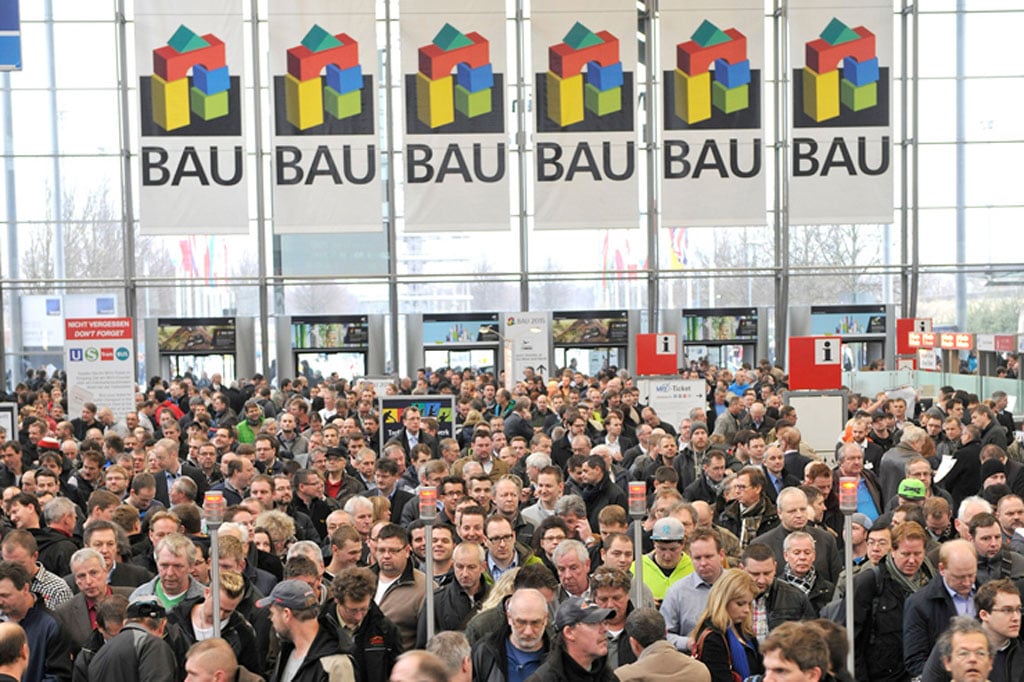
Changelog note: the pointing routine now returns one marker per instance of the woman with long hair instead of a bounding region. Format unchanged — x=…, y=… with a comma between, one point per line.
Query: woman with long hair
x=724, y=638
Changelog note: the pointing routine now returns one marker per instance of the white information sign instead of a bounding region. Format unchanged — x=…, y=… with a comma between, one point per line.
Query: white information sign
x=100, y=364
x=673, y=397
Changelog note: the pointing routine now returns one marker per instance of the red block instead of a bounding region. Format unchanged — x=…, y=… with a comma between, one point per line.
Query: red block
x=172, y=65
x=436, y=63
x=693, y=60
x=304, y=64
x=822, y=57
x=566, y=62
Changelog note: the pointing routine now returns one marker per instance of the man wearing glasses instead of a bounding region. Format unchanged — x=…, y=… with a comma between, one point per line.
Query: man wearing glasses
x=503, y=553
x=401, y=589
x=999, y=609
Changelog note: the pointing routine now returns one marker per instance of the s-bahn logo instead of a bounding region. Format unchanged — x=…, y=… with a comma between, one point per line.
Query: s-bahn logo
x=600, y=100
x=712, y=86
x=324, y=91
x=455, y=89
x=207, y=102
x=856, y=93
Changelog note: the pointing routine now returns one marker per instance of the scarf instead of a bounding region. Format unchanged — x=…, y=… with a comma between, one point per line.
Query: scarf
x=909, y=583
x=804, y=583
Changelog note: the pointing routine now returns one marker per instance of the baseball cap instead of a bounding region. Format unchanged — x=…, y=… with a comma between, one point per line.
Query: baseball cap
x=290, y=594
x=911, y=489
x=575, y=610
x=48, y=443
x=861, y=520
x=334, y=453
x=146, y=608
x=668, y=529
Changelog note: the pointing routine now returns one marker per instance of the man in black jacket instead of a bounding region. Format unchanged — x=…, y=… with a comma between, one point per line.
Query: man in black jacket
x=751, y=514
x=195, y=617
x=139, y=651
x=580, y=650
x=458, y=601
x=523, y=632
x=377, y=640
x=776, y=602
x=598, y=490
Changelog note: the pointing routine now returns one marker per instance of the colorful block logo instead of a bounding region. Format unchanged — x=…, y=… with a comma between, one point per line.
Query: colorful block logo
x=855, y=95
x=205, y=103
x=712, y=85
x=602, y=100
x=324, y=91
x=455, y=89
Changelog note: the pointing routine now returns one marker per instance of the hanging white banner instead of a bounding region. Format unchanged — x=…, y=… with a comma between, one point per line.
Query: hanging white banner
x=712, y=103
x=841, y=112
x=455, y=115
x=325, y=80
x=586, y=172
x=193, y=165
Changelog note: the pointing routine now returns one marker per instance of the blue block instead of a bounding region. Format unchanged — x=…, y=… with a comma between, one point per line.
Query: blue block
x=604, y=78
x=211, y=82
x=344, y=81
x=475, y=80
x=10, y=52
x=732, y=75
x=9, y=20
x=860, y=73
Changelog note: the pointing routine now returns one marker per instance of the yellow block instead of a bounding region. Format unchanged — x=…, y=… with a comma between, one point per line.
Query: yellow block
x=692, y=96
x=821, y=94
x=565, y=99
x=435, y=100
x=304, y=102
x=170, y=102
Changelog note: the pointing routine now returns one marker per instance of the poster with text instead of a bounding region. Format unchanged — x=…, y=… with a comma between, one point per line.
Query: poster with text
x=586, y=158
x=841, y=162
x=193, y=166
x=324, y=127
x=712, y=104
x=100, y=364
x=455, y=115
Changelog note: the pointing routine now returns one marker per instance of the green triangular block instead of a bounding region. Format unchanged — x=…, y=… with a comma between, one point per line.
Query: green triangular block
x=579, y=36
x=707, y=34
x=837, y=33
x=186, y=40
x=450, y=38
x=318, y=39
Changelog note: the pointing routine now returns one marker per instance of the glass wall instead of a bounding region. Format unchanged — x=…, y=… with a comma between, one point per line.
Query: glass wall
x=69, y=201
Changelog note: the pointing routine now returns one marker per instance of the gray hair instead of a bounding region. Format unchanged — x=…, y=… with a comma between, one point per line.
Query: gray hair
x=570, y=504
x=796, y=535
x=85, y=554
x=567, y=546
x=960, y=625
x=538, y=460
x=467, y=546
x=57, y=508
x=308, y=549
x=239, y=528
x=357, y=502
x=913, y=434
x=787, y=493
x=452, y=648
x=978, y=500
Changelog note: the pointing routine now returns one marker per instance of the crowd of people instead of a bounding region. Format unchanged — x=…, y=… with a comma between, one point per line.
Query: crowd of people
x=322, y=573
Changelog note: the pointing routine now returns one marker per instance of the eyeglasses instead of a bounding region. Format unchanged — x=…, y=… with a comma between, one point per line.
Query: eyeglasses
x=879, y=543
x=968, y=653
x=1009, y=610
x=499, y=539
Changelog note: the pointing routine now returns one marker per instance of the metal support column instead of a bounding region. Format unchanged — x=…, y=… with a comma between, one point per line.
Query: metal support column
x=781, y=209
x=127, y=185
x=13, y=299
x=915, y=253
x=390, y=226
x=57, y=188
x=261, y=214
x=961, y=163
x=653, y=173
x=521, y=145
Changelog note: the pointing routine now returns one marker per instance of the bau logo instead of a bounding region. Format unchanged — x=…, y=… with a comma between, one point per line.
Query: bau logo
x=471, y=101
x=566, y=102
x=712, y=86
x=825, y=95
x=324, y=91
x=205, y=103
